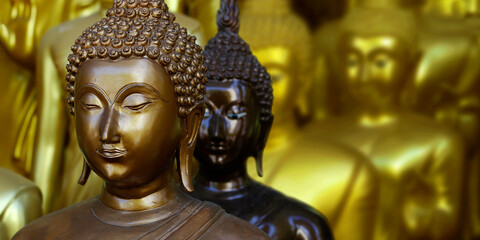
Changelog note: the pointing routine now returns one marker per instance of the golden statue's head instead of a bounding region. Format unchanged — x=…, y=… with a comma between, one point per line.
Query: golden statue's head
x=376, y=53
x=23, y=23
x=453, y=8
x=135, y=83
x=281, y=41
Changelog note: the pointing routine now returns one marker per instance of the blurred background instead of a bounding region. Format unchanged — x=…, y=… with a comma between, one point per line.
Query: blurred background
x=376, y=105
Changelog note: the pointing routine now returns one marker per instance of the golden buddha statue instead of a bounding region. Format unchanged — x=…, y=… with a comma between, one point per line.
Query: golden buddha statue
x=448, y=92
x=57, y=149
x=22, y=24
x=136, y=82
x=452, y=8
x=20, y=203
x=21, y=27
x=419, y=161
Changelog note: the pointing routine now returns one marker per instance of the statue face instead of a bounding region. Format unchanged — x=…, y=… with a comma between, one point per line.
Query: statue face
x=372, y=68
x=231, y=125
x=126, y=119
x=277, y=62
x=454, y=8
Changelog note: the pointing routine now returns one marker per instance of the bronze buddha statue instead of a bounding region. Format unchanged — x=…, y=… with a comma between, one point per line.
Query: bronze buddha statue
x=236, y=126
x=136, y=85
x=419, y=161
x=57, y=147
x=20, y=203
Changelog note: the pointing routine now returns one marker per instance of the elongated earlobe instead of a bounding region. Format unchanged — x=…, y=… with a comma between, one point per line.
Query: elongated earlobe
x=190, y=126
x=263, y=137
x=259, y=163
x=85, y=173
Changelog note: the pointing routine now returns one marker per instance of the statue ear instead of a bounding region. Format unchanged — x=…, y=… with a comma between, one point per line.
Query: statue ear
x=262, y=142
x=85, y=173
x=190, y=127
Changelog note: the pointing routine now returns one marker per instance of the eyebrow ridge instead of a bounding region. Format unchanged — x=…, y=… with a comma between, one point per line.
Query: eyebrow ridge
x=96, y=88
x=133, y=85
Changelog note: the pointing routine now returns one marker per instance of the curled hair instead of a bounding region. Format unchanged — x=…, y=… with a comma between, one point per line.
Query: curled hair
x=143, y=29
x=228, y=56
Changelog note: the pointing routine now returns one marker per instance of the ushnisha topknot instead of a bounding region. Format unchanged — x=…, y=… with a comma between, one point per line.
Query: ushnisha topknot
x=143, y=29
x=228, y=56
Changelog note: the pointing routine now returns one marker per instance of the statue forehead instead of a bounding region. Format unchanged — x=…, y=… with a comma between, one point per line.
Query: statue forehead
x=111, y=76
x=230, y=89
x=369, y=43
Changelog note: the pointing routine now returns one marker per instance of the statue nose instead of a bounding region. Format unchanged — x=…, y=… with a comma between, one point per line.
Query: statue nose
x=216, y=128
x=109, y=128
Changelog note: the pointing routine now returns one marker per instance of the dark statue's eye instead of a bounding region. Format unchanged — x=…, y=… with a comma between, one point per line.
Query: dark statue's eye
x=381, y=63
x=236, y=112
x=235, y=116
x=207, y=113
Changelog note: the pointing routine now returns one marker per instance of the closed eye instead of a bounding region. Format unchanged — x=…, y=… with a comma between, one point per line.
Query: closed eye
x=138, y=107
x=90, y=106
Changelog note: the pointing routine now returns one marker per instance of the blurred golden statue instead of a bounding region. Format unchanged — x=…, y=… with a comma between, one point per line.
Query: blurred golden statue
x=420, y=162
x=449, y=93
x=20, y=203
x=22, y=24
x=57, y=148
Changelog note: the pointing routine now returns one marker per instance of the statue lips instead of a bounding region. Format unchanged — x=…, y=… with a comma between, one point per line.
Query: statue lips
x=217, y=147
x=111, y=152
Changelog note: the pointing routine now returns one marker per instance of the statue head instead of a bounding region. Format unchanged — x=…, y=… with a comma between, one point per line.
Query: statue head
x=281, y=41
x=23, y=23
x=135, y=84
x=239, y=99
x=453, y=8
x=376, y=53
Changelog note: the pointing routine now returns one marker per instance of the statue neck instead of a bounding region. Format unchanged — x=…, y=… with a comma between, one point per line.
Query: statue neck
x=152, y=195
x=218, y=180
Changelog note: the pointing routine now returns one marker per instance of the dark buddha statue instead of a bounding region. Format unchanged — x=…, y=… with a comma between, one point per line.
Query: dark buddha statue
x=235, y=127
x=136, y=85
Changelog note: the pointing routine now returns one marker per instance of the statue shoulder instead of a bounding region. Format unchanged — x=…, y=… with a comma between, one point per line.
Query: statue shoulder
x=61, y=37
x=227, y=226
x=322, y=172
x=437, y=132
x=302, y=218
x=52, y=226
x=13, y=187
x=319, y=153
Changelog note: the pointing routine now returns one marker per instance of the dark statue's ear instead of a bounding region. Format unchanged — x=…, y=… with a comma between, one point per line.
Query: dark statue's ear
x=190, y=127
x=265, y=127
